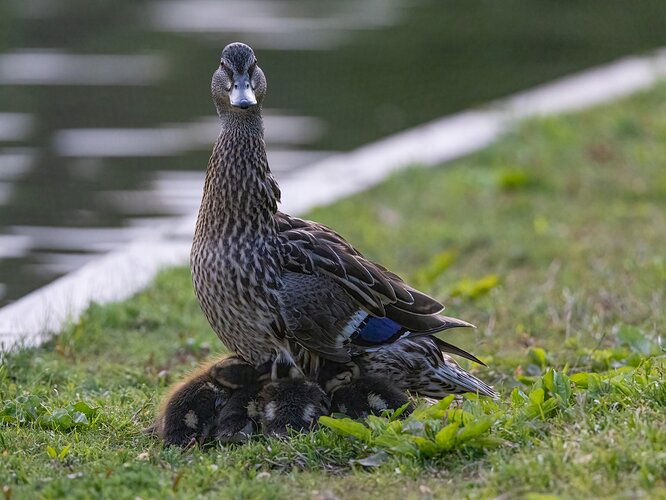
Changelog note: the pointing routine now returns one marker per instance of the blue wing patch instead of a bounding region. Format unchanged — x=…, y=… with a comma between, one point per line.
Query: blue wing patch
x=373, y=331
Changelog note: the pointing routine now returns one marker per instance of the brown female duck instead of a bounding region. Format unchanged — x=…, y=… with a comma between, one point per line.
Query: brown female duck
x=280, y=289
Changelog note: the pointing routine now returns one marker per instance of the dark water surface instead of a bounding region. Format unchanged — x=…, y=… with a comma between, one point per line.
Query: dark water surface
x=106, y=121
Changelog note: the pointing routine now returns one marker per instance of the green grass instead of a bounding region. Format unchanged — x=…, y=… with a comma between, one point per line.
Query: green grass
x=551, y=242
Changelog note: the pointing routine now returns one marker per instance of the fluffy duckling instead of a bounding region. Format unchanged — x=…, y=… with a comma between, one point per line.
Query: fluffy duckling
x=238, y=418
x=332, y=376
x=358, y=395
x=211, y=402
x=369, y=395
x=291, y=403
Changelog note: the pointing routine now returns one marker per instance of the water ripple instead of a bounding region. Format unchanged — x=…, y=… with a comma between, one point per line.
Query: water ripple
x=52, y=67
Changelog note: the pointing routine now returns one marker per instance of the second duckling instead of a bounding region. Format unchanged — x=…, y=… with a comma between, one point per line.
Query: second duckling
x=291, y=403
x=371, y=395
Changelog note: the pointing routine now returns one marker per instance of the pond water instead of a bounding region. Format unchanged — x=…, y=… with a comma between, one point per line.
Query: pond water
x=106, y=121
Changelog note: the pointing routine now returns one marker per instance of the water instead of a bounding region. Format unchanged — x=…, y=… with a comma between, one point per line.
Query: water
x=106, y=122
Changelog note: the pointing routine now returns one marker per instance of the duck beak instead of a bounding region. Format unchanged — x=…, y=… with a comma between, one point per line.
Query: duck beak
x=242, y=96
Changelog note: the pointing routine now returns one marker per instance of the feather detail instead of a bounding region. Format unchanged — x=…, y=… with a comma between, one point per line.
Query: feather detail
x=418, y=364
x=353, y=324
x=312, y=248
x=392, y=308
x=374, y=331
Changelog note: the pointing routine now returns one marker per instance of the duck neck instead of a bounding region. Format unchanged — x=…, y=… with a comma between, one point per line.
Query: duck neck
x=240, y=194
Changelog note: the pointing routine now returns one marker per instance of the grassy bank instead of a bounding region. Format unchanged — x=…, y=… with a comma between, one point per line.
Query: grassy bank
x=551, y=242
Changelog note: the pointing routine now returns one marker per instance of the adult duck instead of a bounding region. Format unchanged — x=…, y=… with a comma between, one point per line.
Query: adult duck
x=275, y=287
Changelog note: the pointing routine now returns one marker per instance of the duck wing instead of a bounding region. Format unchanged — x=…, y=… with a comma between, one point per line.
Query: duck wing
x=315, y=248
x=384, y=307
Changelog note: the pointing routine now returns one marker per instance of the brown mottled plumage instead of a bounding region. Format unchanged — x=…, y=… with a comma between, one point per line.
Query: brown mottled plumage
x=420, y=365
x=275, y=287
x=236, y=258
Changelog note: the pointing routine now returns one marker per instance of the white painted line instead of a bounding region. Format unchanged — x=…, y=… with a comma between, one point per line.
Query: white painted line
x=30, y=320
x=345, y=174
x=119, y=274
x=591, y=87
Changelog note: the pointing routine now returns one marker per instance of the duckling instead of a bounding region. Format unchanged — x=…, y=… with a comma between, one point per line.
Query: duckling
x=370, y=395
x=238, y=419
x=331, y=375
x=211, y=402
x=291, y=403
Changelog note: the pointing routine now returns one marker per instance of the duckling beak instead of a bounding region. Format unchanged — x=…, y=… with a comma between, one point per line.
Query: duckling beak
x=242, y=96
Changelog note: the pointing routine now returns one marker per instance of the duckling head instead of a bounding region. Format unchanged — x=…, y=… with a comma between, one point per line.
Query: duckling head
x=238, y=85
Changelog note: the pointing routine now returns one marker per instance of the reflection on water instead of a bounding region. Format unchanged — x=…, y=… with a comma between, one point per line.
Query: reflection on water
x=169, y=140
x=106, y=122
x=273, y=24
x=14, y=127
x=15, y=162
x=40, y=67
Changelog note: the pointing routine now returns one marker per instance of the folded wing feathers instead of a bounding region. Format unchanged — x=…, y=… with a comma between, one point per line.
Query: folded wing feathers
x=355, y=269
x=313, y=247
x=299, y=261
x=403, y=293
x=322, y=342
x=417, y=323
x=362, y=295
x=450, y=322
x=352, y=270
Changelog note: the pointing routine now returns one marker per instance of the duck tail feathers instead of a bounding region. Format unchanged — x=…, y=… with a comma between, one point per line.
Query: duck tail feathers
x=452, y=349
x=449, y=378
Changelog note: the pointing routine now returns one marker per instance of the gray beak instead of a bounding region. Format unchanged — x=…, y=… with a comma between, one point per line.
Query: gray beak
x=242, y=95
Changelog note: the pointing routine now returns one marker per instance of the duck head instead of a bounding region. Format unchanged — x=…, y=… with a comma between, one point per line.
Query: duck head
x=238, y=84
